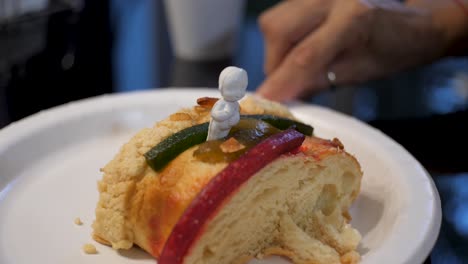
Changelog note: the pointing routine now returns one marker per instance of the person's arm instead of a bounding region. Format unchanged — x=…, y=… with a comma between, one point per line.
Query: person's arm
x=356, y=40
x=451, y=17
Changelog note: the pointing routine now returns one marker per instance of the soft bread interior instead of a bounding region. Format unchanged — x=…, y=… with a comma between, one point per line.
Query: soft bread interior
x=296, y=207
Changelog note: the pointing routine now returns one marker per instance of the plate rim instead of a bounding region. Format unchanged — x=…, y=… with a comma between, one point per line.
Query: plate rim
x=15, y=131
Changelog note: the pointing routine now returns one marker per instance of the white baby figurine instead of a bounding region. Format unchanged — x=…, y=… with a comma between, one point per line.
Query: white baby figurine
x=225, y=112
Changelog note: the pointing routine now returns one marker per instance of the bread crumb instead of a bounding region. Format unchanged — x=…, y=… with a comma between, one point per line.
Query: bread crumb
x=89, y=249
x=78, y=221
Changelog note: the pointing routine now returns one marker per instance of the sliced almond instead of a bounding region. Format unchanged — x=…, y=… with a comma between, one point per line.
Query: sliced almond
x=338, y=143
x=231, y=145
x=207, y=102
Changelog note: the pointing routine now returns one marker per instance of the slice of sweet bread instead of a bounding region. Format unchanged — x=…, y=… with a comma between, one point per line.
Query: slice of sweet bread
x=295, y=206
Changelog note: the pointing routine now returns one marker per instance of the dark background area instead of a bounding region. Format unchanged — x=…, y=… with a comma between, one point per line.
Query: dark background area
x=72, y=52
x=52, y=58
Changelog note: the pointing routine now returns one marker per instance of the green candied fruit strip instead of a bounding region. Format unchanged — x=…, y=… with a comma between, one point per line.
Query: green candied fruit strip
x=160, y=155
x=283, y=123
x=164, y=152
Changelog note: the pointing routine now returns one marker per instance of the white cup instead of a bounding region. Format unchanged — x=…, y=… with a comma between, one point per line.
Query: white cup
x=204, y=29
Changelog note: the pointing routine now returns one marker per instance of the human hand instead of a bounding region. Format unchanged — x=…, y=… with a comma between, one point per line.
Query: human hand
x=358, y=40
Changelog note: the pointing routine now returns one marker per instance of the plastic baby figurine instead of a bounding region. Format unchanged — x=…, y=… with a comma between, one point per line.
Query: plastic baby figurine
x=225, y=112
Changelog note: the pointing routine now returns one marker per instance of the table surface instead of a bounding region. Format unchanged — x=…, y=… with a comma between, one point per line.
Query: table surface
x=424, y=109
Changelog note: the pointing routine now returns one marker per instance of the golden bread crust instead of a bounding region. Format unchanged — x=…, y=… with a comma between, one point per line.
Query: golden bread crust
x=130, y=191
x=140, y=206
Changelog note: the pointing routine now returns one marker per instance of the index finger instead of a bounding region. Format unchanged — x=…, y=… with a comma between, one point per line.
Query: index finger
x=287, y=23
x=304, y=69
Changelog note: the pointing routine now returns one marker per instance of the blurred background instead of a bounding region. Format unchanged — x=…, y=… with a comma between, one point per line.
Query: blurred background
x=56, y=51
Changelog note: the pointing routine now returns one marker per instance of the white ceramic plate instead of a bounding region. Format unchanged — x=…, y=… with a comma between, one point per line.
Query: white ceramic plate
x=49, y=165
